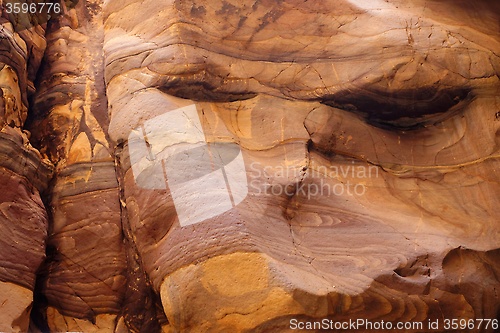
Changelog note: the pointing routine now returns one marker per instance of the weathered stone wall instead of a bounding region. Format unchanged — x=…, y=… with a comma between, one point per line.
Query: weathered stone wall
x=230, y=166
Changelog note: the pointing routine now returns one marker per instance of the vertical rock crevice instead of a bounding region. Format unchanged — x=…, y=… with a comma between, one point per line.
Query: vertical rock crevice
x=141, y=305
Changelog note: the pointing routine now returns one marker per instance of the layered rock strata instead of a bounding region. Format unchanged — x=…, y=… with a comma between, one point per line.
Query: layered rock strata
x=24, y=175
x=234, y=166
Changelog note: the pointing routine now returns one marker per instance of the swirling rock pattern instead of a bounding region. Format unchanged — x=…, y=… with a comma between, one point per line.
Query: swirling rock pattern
x=356, y=145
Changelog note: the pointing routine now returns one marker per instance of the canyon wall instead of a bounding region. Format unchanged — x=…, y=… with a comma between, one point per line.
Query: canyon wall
x=239, y=166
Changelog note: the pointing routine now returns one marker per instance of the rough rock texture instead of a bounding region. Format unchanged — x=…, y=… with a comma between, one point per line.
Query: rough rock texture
x=24, y=174
x=206, y=166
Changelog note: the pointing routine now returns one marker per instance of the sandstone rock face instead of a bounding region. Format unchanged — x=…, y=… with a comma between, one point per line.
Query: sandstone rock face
x=249, y=166
x=24, y=175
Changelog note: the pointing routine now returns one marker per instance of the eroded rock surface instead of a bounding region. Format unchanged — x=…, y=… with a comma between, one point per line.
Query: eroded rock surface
x=230, y=166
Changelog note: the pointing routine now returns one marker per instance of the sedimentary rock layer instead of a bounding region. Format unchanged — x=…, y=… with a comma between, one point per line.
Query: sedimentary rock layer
x=400, y=98
x=231, y=166
x=24, y=174
x=83, y=279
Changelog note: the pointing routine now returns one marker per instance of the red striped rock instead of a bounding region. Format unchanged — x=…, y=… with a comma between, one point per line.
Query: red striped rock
x=245, y=166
